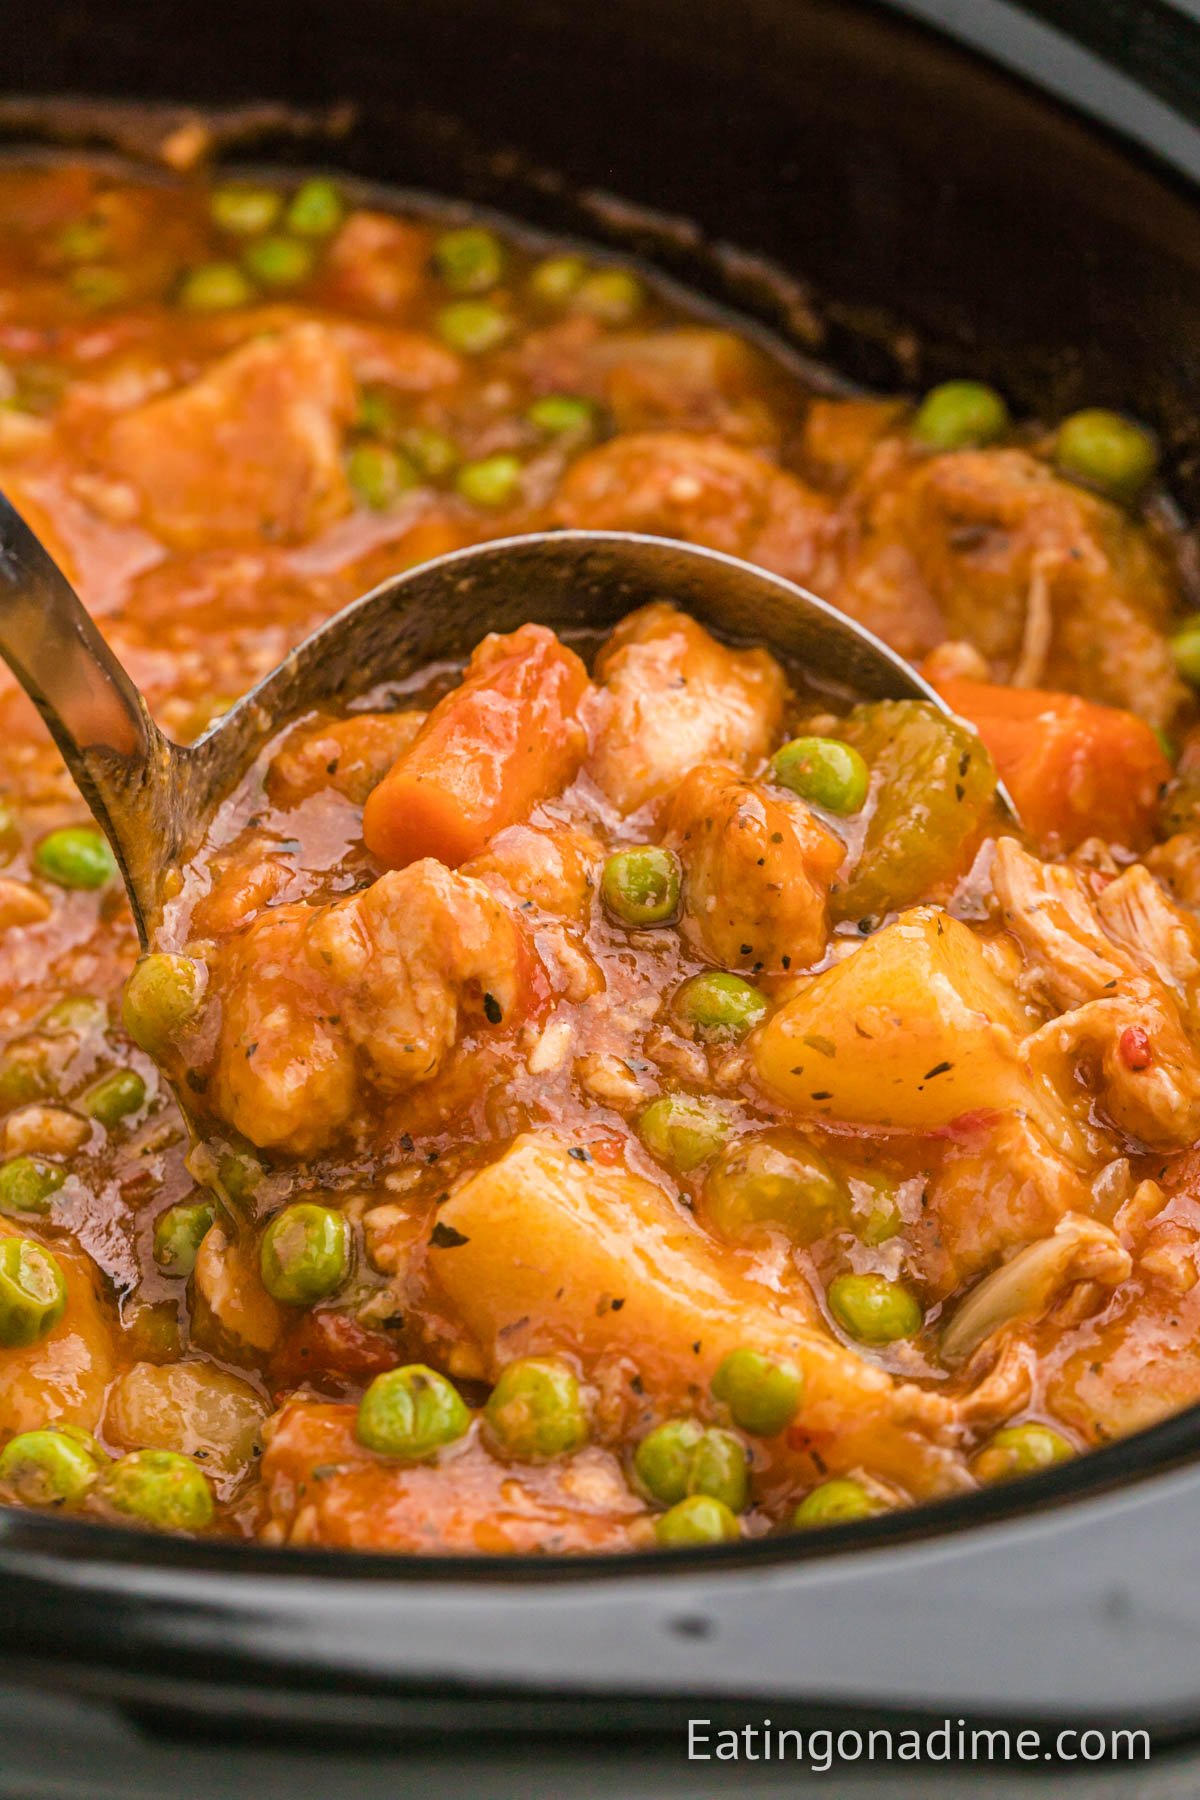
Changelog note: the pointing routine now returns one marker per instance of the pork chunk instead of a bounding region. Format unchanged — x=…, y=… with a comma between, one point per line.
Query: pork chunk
x=672, y=697
x=758, y=870
x=991, y=546
x=698, y=487
x=249, y=451
x=320, y=1005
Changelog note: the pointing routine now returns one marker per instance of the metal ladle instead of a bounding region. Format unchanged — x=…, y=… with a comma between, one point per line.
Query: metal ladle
x=154, y=799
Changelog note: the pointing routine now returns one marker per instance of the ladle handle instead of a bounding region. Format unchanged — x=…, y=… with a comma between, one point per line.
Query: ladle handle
x=92, y=708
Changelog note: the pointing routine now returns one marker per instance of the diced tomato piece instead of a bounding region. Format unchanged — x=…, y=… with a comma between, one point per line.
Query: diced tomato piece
x=507, y=737
x=1135, y=1049
x=1074, y=768
x=330, y=1349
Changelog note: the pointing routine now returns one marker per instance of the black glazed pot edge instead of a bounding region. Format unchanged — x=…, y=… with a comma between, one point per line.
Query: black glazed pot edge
x=1135, y=70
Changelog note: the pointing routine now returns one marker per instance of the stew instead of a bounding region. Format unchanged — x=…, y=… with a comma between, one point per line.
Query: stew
x=639, y=1098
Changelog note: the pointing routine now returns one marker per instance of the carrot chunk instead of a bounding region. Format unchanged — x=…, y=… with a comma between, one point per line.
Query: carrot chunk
x=1074, y=768
x=507, y=737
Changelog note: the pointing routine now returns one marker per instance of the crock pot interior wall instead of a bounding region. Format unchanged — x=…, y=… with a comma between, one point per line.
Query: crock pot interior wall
x=948, y=220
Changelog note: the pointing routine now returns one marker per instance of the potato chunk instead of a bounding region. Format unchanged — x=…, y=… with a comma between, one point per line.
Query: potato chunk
x=251, y=450
x=758, y=872
x=909, y=1032
x=542, y=1252
x=673, y=697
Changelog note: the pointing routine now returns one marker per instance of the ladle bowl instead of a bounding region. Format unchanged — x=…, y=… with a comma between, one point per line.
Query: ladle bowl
x=154, y=798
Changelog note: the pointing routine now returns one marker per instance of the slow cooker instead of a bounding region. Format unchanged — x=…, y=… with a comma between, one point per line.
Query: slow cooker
x=904, y=191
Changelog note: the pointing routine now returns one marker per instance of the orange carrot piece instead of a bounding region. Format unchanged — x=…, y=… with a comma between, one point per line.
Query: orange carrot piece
x=1074, y=768
x=506, y=738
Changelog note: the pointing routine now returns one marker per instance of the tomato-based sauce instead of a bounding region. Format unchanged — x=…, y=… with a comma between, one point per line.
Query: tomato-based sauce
x=633, y=1096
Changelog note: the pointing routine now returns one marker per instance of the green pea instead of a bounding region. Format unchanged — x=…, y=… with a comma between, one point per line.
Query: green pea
x=115, y=1097
x=884, y=1219
x=244, y=211
x=763, y=1396
x=1020, y=1450
x=24, y=1074
x=556, y=278
x=834, y=1502
x=560, y=414
x=96, y=286
x=33, y=1292
x=83, y=240
x=27, y=1184
x=873, y=1309
x=683, y=1457
x=682, y=1132
x=160, y=997
x=612, y=295
x=960, y=413
x=214, y=287
x=825, y=772
x=642, y=886
x=316, y=208
x=721, y=1469
x=776, y=1179
x=305, y=1253
x=433, y=452
x=379, y=475
x=492, y=481
x=240, y=1174
x=535, y=1410
x=279, y=262
x=1185, y=648
x=178, y=1235
x=720, y=1004
x=77, y=856
x=697, y=1520
x=473, y=327
x=410, y=1413
x=51, y=1467
x=75, y=1016
x=151, y=1333
x=159, y=1488
x=470, y=259
x=1106, y=452
x=663, y=1460
x=376, y=414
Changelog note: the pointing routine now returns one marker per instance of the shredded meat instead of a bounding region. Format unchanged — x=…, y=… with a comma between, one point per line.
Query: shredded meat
x=992, y=547
x=1115, y=1010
